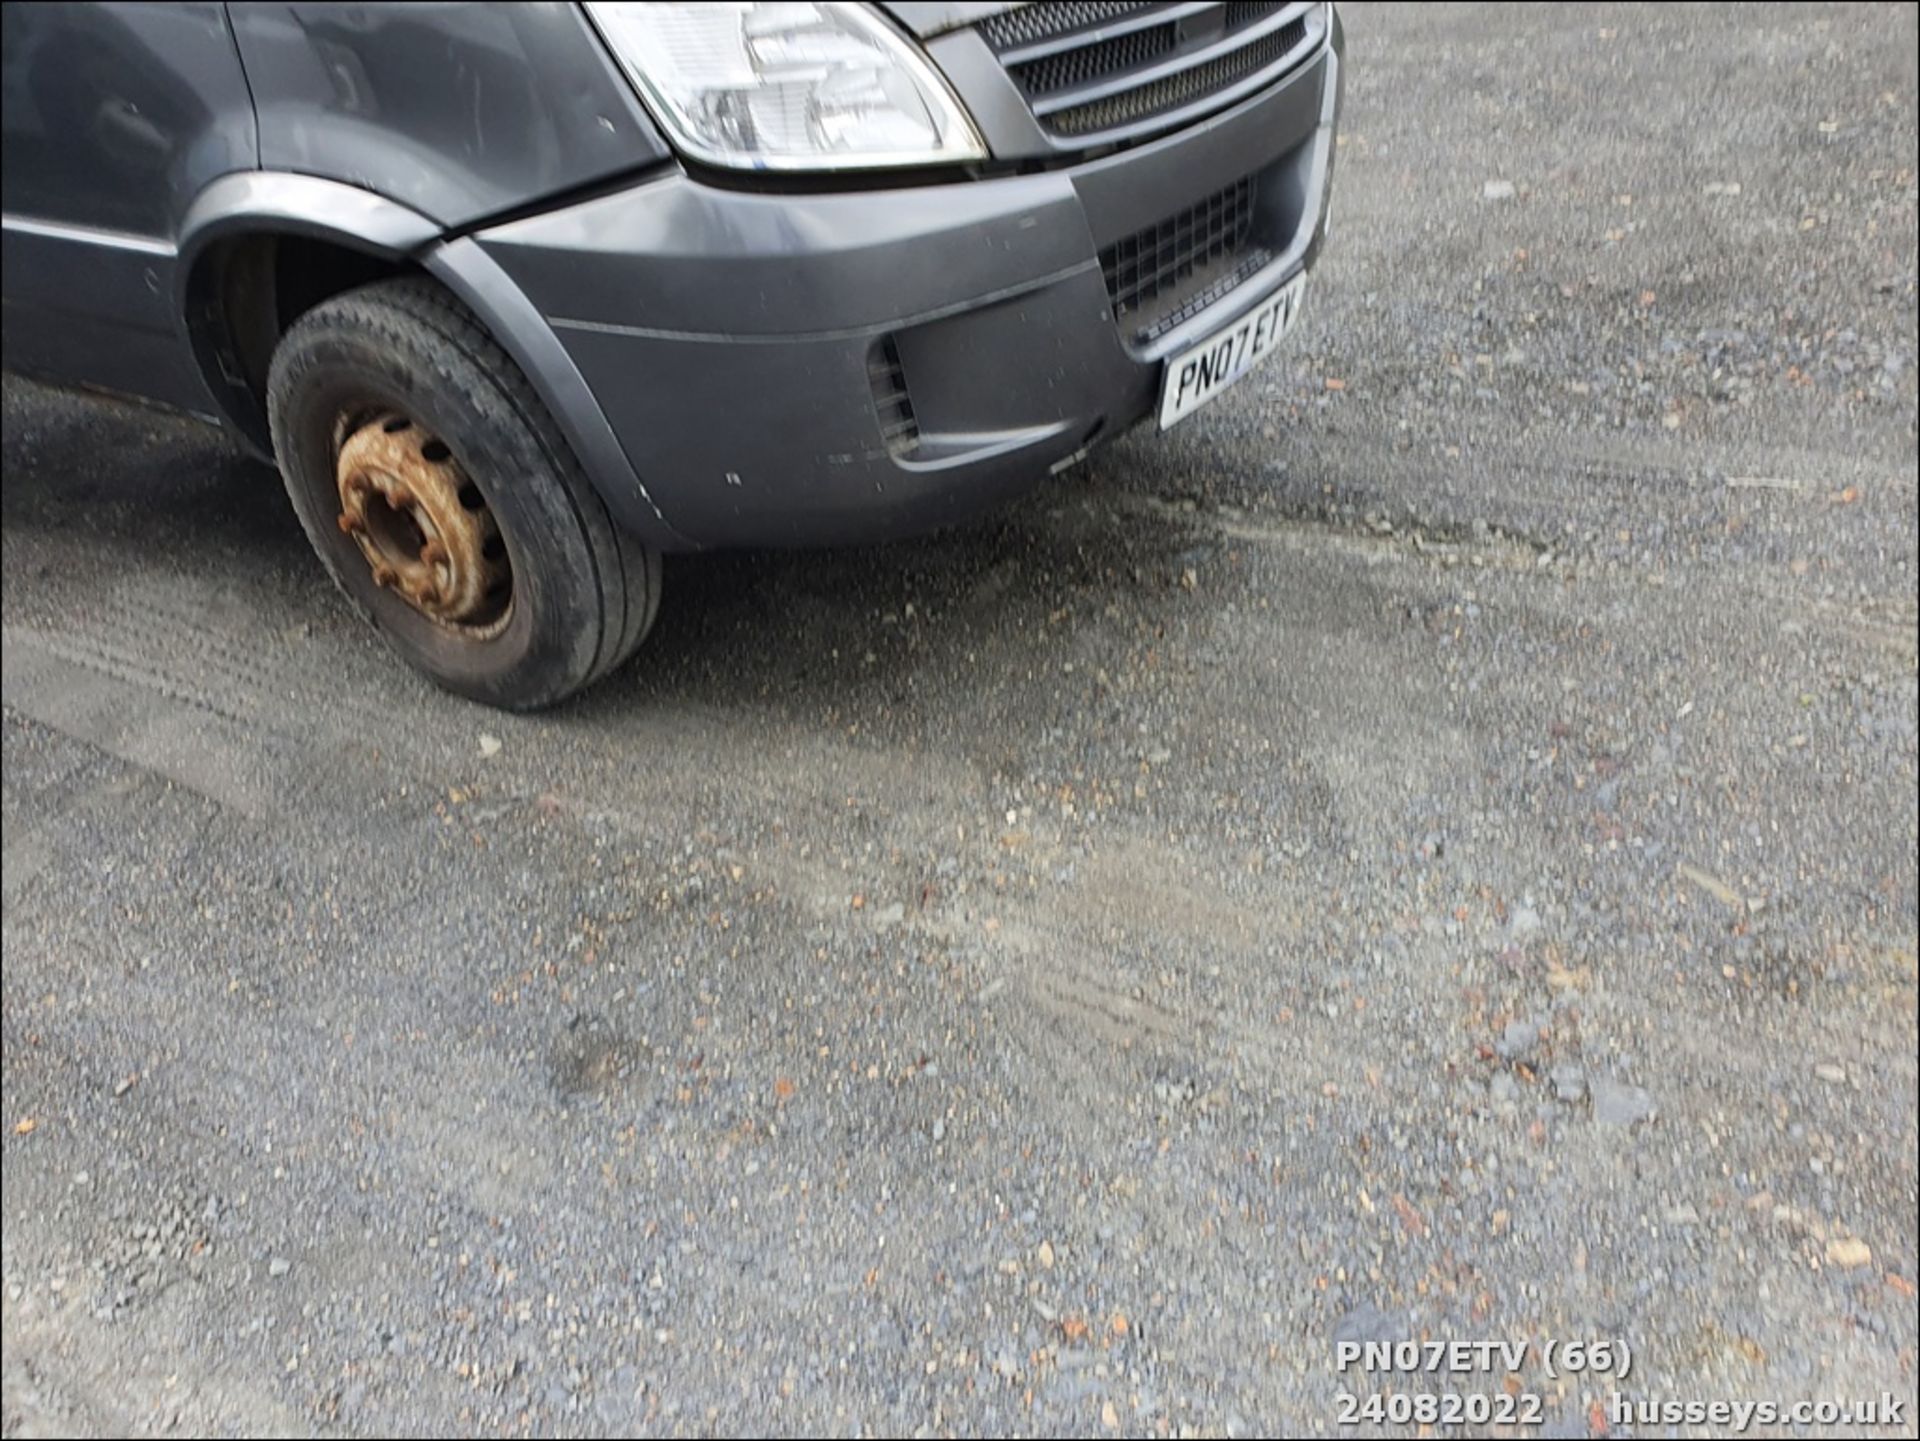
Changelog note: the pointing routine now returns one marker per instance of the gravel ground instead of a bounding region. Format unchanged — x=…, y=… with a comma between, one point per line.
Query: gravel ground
x=1426, y=850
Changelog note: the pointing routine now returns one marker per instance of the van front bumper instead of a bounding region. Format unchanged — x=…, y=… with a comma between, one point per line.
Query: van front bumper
x=803, y=368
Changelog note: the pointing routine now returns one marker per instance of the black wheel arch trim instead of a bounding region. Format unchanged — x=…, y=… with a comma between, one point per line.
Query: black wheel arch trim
x=523, y=332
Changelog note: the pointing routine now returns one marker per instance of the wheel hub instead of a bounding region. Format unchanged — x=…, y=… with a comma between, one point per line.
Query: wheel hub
x=424, y=529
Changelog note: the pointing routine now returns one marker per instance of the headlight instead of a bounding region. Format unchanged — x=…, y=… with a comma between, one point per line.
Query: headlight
x=787, y=86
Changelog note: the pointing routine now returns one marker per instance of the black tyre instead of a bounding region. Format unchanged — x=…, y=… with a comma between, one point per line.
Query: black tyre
x=445, y=503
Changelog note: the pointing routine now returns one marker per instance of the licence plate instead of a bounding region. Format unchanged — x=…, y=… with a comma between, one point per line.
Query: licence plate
x=1202, y=371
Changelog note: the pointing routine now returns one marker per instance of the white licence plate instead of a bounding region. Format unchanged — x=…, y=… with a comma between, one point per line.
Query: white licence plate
x=1202, y=371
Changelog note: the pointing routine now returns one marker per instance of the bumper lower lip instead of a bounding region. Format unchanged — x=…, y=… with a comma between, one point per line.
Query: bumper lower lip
x=731, y=339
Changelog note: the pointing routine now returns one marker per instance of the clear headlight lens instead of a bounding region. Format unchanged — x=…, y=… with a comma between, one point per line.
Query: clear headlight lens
x=787, y=85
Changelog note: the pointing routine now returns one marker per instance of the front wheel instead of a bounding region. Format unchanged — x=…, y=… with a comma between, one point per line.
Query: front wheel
x=445, y=503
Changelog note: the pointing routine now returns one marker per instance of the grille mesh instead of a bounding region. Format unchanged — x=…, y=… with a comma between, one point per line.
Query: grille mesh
x=1068, y=68
x=1031, y=24
x=1176, y=90
x=1245, y=12
x=1158, y=262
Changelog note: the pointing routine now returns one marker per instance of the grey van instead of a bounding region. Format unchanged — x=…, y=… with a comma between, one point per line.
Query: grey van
x=519, y=297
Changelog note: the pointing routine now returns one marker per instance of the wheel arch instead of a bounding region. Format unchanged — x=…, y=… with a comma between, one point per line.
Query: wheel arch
x=259, y=249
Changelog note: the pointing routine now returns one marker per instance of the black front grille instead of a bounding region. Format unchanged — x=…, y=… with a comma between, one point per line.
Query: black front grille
x=1191, y=301
x=1178, y=90
x=891, y=402
x=1067, y=68
x=1163, y=273
x=1245, y=12
x=1098, y=72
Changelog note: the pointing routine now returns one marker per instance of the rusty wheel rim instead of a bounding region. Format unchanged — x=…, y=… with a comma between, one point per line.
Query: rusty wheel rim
x=424, y=529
